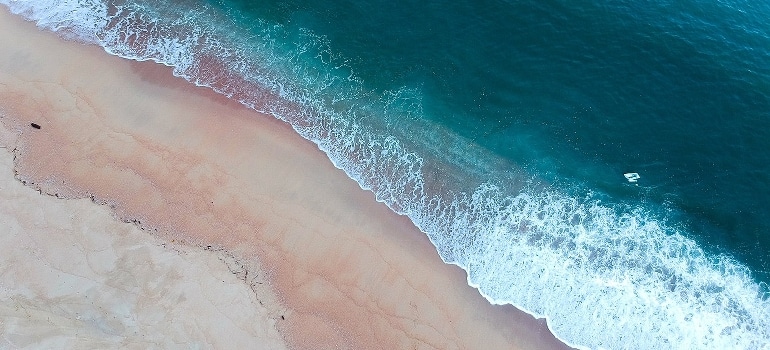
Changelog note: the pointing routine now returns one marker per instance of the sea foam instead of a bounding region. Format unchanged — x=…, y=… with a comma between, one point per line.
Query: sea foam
x=605, y=276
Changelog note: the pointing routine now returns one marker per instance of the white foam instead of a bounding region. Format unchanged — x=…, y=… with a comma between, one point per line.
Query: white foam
x=645, y=284
x=75, y=19
x=604, y=277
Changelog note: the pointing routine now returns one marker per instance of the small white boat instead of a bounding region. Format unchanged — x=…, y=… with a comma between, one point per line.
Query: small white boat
x=632, y=177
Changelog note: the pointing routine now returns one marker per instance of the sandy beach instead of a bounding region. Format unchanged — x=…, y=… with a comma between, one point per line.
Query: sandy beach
x=143, y=192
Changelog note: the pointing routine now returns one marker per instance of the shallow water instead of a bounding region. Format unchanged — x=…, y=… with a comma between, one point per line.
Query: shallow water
x=503, y=131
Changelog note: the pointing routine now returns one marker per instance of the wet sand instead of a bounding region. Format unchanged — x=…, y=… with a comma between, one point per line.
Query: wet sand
x=328, y=265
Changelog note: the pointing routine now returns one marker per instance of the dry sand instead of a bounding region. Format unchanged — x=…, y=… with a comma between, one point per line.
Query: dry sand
x=72, y=276
x=331, y=267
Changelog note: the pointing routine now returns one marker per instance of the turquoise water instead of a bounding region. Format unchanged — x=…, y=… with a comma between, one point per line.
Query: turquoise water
x=503, y=130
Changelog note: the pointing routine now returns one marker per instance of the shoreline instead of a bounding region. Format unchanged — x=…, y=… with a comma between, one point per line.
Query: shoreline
x=202, y=170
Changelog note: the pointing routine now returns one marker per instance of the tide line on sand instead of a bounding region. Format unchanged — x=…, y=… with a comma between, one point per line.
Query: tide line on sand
x=195, y=168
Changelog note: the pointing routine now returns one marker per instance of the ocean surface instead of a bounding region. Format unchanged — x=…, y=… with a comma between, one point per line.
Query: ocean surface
x=503, y=129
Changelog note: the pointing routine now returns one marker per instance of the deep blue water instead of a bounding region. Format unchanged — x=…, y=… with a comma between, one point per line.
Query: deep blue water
x=503, y=130
x=579, y=93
